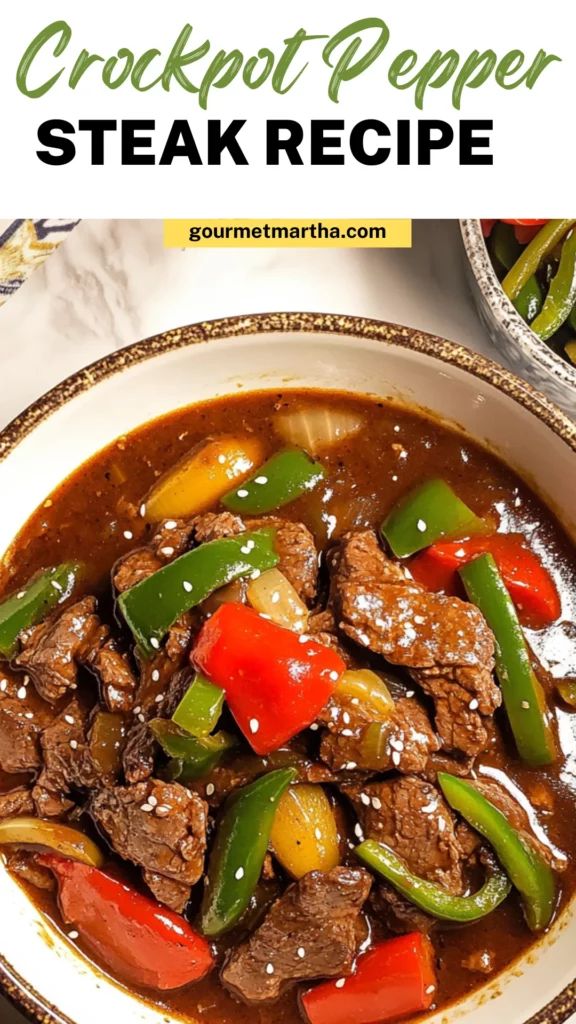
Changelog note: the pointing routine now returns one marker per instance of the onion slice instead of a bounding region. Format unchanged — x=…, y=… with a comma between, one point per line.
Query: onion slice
x=318, y=428
x=272, y=595
x=51, y=835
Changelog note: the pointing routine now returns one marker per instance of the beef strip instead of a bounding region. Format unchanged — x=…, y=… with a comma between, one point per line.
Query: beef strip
x=24, y=864
x=215, y=526
x=318, y=914
x=67, y=764
x=409, y=742
x=161, y=827
x=116, y=676
x=398, y=913
x=22, y=719
x=225, y=778
x=411, y=817
x=298, y=555
x=16, y=802
x=53, y=651
x=443, y=641
x=134, y=567
x=139, y=754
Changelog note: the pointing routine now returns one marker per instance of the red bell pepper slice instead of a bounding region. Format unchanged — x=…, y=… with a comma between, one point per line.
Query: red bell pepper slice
x=275, y=681
x=530, y=585
x=392, y=980
x=140, y=941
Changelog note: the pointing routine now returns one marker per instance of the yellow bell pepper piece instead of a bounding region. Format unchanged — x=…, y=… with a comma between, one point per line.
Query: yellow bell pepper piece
x=201, y=478
x=304, y=835
x=366, y=689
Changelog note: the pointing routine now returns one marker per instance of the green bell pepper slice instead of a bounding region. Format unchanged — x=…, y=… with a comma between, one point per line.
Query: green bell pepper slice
x=541, y=246
x=561, y=296
x=238, y=853
x=530, y=299
x=428, y=896
x=200, y=708
x=522, y=692
x=285, y=477
x=30, y=604
x=153, y=605
x=504, y=245
x=428, y=513
x=525, y=867
x=192, y=756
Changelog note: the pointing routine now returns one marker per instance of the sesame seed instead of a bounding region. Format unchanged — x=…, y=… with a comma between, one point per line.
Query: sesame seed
x=69, y=719
x=473, y=704
x=421, y=526
x=239, y=873
x=152, y=801
x=3, y=685
x=303, y=638
x=74, y=744
x=20, y=595
x=210, y=789
x=376, y=803
x=365, y=799
x=222, y=460
x=254, y=575
x=22, y=693
x=350, y=766
x=346, y=718
x=56, y=585
x=128, y=534
x=301, y=952
x=29, y=715
x=137, y=710
x=261, y=480
x=159, y=698
x=525, y=704
x=430, y=990
x=269, y=968
x=340, y=983
x=394, y=478
x=334, y=677
x=154, y=642
x=460, y=553
x=73, y=935
x=410, y=693
x=314, y=727
x=155, y=677
x=441, y=824
x=318, y=833
x=346, y=732
x=187, y=586
x=275, y=597
x=242, y=493
x=170, y=524
x=141, y=718
x=146, y=808
x=429, y=808
x=358, y=830
x=163, y=811
x=254, y=725
x=397, y=745
x=355, y=701
x=168, y=552
x=396, y=429
x=395, y=758
x=142, y=510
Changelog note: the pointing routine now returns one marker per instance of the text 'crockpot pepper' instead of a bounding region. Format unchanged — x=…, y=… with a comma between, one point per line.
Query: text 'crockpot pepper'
x=30, y=604
x=529, y=584
x=522, y=692
x=153, y=605
x=561, y=297
x=285, y=477
x=242, y=837
x=425, y=515
x=275, y=680
x=394, y=979
x=525, y=867
x=67, y=841
x=435, y=899
x=142, y=942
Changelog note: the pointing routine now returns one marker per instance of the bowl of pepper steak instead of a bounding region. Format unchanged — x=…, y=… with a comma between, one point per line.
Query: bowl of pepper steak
x=288, y=684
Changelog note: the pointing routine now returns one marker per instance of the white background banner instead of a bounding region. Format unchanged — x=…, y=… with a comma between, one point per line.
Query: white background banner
x=532, y=141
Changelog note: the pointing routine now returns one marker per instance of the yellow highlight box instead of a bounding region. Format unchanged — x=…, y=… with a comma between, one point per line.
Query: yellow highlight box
x=289, y=234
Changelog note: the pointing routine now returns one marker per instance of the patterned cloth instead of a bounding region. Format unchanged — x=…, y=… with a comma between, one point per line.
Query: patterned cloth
x=24, y=245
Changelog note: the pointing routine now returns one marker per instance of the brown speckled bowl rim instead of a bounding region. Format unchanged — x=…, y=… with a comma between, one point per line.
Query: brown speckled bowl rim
x=507, y=316
x=16, y=988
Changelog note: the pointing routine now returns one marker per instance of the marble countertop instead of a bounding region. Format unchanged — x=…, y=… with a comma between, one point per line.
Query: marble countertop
x=112, y=283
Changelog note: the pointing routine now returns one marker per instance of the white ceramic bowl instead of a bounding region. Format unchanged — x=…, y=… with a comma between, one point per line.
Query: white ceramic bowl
x=38, y=968
x=513, y=337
